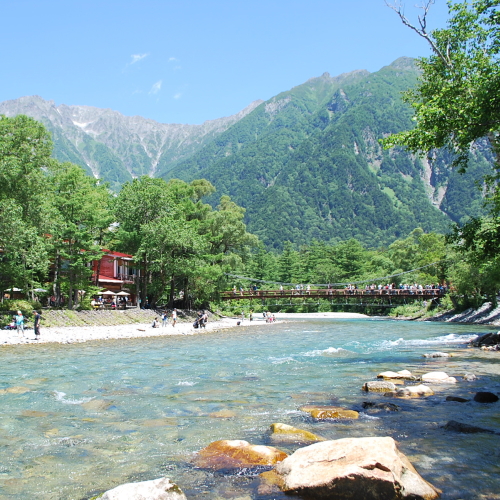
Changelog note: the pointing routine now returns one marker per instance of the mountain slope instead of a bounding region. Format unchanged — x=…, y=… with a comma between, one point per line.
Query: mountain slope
x=114, y=147
x=307, y=164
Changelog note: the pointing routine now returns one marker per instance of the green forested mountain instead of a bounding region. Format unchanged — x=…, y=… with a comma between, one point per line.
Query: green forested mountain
x=307, y=164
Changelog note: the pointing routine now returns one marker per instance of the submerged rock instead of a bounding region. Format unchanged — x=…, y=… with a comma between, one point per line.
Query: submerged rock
x=455, y=426
x=457, y=399
x=370, y=468
x=157, y=489
x=438, y=378
x=403, y=374
x=488, y=339
x=437, y=355
x=231, y=454
x=283, y=433
x=469, y=377
x=412, y=391
x=485, y=397
x=324, y=412
x=380, y=406
x=379, y=386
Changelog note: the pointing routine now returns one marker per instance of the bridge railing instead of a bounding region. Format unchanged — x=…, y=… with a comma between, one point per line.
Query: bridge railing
x=332, y=292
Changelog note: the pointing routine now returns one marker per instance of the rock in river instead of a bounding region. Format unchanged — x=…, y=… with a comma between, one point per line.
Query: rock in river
x=157, y=489
x=379, y=386
x=232, y=454
x=403, y=374
x=412, y=391
x=455, y=426
x=323, y=412
x=438, y=378
x=485, y=397
x=370, y=468
x=283, y=433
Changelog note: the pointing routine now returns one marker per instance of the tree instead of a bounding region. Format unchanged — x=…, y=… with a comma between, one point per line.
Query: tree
x=457, y=99
x=80, y=217
x=25, y=149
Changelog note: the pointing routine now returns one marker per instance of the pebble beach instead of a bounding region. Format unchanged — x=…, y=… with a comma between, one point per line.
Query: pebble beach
x=73, y=334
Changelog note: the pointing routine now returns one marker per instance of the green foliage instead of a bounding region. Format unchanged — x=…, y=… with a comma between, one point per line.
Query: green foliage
x=456, y=101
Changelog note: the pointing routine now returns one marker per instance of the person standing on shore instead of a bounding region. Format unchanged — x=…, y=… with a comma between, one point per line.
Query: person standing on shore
x=164, y=319
x=38, y=317
x=174, y=317
x=19, y=319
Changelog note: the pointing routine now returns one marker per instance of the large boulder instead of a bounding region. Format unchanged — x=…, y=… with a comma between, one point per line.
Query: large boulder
x=324, y=412
x=370, y=468
x=438, y=378
x=283, y=433
x=232, y=454
x=379, y=386
x=157, y=489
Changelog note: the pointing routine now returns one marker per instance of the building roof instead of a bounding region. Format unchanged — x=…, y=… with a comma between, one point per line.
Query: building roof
x=125, y=256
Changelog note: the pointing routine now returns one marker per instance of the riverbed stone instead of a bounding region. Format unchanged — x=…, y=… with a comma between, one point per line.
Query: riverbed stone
x=379, y=386
x=97, y=405
x=15, y=390
x=485, y=397
x=438, y=378
x=402, y=374
x=455, y=426
x=438, y=354
x=412, y=391
x=324, y=412
x=283, y=433
x=470, y=377
x=236, y=453
x=156, y=489
x=369, y=468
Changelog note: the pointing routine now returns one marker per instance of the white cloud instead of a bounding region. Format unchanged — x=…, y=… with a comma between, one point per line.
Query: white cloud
x=156, y=87
x=172, y=59
x=137, y=57
x=178, y=95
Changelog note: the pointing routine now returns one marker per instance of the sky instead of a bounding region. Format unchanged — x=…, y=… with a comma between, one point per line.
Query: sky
x=193, y=60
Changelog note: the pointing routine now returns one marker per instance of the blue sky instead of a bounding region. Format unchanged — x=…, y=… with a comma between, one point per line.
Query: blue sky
x=189, y=61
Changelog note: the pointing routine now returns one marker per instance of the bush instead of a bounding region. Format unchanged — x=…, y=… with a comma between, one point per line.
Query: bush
x=25, y=306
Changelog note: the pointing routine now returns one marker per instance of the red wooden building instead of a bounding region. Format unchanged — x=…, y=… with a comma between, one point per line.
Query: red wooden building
x=116, y=272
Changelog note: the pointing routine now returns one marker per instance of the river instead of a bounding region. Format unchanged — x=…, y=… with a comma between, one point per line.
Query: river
x=79, y=419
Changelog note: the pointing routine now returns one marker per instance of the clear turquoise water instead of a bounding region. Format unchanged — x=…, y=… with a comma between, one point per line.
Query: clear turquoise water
x=87, y=417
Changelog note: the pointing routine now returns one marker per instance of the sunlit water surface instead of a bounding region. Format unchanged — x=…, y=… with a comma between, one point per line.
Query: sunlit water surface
x=79, y=419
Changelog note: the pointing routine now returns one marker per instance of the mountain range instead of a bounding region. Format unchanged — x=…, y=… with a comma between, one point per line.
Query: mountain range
x=305, y=164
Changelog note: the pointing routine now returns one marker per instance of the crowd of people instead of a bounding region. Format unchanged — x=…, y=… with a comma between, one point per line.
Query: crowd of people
x=300, y=289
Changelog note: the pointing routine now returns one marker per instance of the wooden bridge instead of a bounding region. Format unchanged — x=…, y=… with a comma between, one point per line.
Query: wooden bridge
x=331, y=294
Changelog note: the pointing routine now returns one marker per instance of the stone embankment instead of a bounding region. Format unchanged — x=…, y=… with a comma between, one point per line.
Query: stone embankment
x=485, y=315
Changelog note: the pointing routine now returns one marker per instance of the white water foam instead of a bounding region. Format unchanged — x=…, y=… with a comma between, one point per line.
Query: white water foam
x=330, y=351
x=280, y=361
x=186, y=382
x=451, y=338
x=61, y=396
